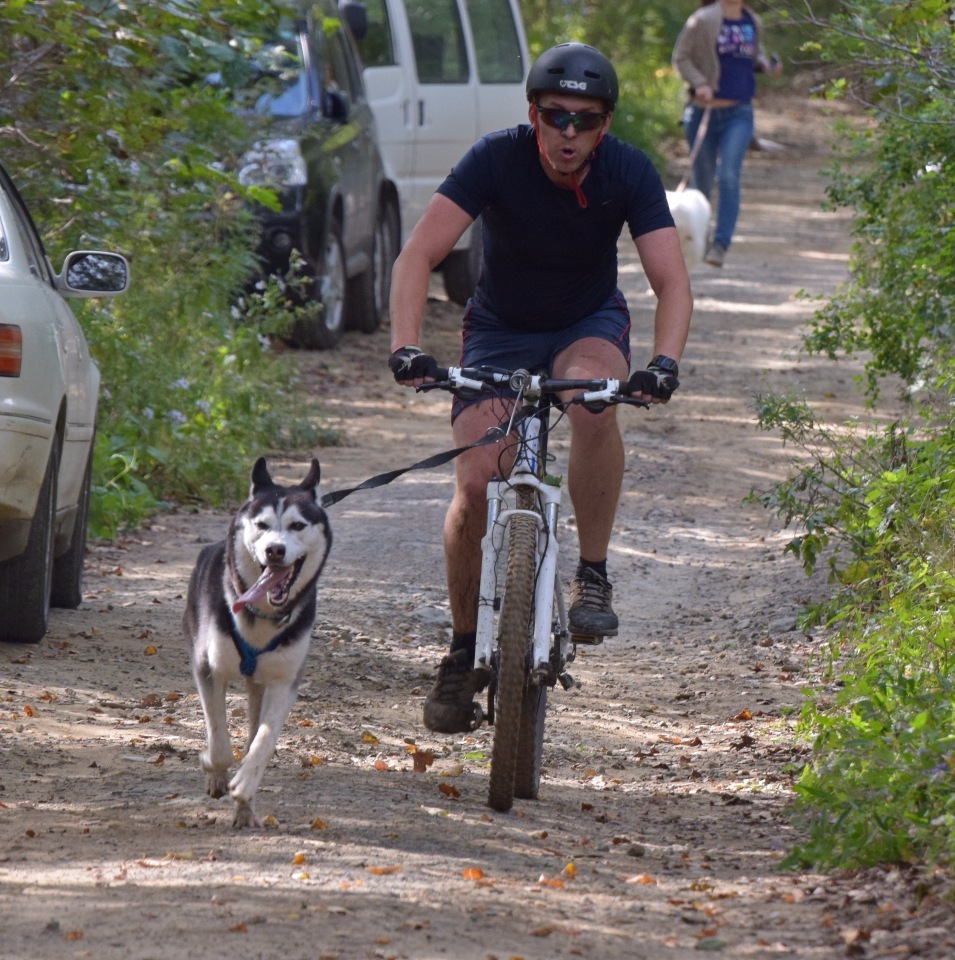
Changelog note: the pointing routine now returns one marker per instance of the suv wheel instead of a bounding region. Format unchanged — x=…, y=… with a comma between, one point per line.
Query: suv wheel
x=462, y=268
x=369, y=292
x=322, y=328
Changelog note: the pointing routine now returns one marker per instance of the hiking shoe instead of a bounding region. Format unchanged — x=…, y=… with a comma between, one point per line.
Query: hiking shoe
x=715, y=254
x=449, y=707
x=591, y=614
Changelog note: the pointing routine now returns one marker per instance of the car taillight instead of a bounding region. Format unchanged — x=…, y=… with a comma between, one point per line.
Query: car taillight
x=11, y=350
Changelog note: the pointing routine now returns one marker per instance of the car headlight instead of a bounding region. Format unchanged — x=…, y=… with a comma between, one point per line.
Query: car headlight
x=273, y=163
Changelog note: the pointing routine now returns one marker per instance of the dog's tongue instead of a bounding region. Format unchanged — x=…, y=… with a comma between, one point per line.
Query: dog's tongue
x=270, y=577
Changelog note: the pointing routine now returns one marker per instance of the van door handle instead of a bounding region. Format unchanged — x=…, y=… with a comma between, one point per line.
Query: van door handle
x=421, y=113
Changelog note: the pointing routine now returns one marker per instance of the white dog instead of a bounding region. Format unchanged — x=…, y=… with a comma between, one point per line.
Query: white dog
x=691, y=214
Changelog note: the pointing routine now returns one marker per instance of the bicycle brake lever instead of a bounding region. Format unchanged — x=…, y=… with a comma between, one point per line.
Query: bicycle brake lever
x=633, y=402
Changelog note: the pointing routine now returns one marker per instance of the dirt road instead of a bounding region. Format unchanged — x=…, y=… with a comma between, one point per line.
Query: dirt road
x=662, y=817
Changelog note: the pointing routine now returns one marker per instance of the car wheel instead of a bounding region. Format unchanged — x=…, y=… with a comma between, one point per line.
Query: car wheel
x=368, y=299
x=26, y=581
x=462, y=268
x=322, y=328
x=68, y=569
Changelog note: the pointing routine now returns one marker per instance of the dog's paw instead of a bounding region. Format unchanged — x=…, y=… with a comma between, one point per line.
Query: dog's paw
x=217, y=783
x=244, y=817
x=245, y=783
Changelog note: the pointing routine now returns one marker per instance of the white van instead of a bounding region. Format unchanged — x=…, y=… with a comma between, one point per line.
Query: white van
x=438, y=75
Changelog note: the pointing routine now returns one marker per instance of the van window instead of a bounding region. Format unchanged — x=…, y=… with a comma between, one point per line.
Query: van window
x=438, y=39
x=377, y=47
x=496, y=42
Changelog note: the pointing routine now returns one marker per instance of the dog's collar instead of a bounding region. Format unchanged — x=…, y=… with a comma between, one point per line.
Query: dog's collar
x=262, y=615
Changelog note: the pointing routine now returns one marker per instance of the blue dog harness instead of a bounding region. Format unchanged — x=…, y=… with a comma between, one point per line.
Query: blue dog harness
x=249, y=655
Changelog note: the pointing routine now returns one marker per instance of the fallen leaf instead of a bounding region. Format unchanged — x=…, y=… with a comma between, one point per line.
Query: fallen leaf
x=550, y=881
x=422, y=760
x=641, y=878
x=299, y=858
x=743, y=715
x=381, y=765
x=367, y=737
x=472, y=873
x=383, y=871
x=150, y=651
x=449, y=790
x=570, y=870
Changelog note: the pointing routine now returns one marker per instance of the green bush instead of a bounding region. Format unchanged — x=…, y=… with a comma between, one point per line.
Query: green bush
x=117, y=141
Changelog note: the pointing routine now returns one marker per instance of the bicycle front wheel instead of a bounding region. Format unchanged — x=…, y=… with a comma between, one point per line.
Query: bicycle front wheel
x=514, y=633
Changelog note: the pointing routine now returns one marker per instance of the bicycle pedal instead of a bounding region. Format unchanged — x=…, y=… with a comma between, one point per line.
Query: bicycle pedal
x=585, y=640
x=567, y=681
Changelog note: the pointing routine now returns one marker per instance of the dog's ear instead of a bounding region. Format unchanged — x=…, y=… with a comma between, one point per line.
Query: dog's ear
x=312, y=477
x=260, y=476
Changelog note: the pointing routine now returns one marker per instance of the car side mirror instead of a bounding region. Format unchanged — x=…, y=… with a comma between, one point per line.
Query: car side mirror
x=93, y=273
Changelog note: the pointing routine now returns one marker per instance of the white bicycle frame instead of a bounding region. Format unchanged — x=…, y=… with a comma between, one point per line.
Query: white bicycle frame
x=550, y=614
x=501, y=508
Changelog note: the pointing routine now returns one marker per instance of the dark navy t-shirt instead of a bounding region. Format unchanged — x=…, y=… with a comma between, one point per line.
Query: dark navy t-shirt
x=548, y=262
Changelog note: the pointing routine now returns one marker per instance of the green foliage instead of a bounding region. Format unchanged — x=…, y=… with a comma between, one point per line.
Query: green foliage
x=880, y=787
x=880, y=504
x=898, y=177
x=117, y=141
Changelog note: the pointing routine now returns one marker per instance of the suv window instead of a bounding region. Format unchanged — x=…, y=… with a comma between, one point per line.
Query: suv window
x=438, y=39
x=495, y=42
x=377, y=47
x=339, y=74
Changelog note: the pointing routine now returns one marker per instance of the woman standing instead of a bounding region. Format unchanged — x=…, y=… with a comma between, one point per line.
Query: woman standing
x=718, y=52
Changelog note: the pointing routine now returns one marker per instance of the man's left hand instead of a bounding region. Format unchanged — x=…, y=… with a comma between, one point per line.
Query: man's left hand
x=657, y=382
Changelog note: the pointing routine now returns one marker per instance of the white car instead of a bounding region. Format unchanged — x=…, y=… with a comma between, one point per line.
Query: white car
x=49, y=387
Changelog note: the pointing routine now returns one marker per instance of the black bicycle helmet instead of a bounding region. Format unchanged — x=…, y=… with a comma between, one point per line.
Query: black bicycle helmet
x=575, y=68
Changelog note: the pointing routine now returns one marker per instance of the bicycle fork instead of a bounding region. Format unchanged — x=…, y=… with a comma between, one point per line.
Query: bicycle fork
x=546, y=658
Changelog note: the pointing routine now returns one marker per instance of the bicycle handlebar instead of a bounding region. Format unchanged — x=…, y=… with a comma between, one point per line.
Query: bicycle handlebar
x=596, y=393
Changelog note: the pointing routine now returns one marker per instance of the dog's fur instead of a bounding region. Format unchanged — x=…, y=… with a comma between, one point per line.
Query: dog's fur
x=691, y=214
x=249, y=612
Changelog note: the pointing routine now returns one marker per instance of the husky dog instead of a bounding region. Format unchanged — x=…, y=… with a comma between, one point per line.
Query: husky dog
x=249, y=613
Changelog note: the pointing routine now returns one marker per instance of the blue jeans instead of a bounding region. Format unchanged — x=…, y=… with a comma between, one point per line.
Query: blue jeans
x=727, y=139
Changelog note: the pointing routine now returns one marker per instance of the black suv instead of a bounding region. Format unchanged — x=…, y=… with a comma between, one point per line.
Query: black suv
x=318, y=150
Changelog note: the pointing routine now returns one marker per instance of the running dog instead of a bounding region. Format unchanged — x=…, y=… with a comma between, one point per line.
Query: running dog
x=691, y=214
x=249, y=613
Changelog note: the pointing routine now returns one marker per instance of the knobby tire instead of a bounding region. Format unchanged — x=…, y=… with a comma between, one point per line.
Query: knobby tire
x=515, y=629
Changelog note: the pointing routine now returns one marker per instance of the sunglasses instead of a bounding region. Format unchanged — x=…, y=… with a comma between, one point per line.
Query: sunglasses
x=562, y=119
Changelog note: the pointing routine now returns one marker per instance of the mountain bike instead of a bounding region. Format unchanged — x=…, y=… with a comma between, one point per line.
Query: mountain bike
x=523, y=637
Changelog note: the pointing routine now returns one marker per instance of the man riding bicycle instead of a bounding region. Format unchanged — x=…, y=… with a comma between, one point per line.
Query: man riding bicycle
x=553, y=198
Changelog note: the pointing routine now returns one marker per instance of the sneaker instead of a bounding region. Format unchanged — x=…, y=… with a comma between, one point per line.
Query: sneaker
x=715, y=254
x=449, y=707
x=590, y=612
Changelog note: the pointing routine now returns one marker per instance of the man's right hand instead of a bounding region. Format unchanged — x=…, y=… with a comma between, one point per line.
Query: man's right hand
x=412, y=363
